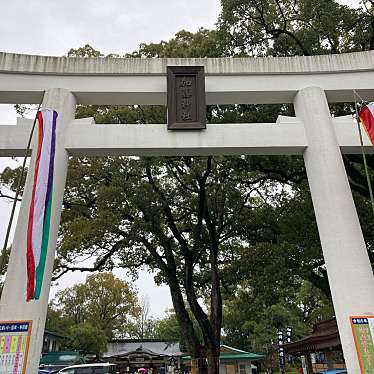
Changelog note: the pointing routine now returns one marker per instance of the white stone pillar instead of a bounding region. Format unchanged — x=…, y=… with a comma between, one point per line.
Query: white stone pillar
x=13, y=305
x=347, y=262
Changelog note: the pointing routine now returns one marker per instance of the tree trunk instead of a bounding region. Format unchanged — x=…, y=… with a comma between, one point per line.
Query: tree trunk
x=202, y=365
x=202, y=361
x=184, y=320
x=213, y=361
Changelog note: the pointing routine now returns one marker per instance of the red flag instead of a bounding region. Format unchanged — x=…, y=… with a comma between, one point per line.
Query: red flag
x=366, y=116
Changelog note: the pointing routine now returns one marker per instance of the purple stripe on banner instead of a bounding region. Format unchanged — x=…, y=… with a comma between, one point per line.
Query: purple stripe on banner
x=51, y=162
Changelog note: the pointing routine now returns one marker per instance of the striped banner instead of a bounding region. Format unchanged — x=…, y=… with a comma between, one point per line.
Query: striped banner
x=41, y=200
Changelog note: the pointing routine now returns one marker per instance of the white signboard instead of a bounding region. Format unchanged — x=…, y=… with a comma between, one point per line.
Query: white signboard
x=14, y=346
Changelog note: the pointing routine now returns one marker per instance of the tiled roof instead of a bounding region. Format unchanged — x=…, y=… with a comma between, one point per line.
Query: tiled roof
x=231, y=353
x=152, y=347
x=325, y=335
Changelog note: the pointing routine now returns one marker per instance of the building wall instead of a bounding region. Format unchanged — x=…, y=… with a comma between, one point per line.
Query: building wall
x=235, y=367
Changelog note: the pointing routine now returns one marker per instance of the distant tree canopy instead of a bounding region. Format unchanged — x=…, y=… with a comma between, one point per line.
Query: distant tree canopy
x=92, y=313
x=295, y=27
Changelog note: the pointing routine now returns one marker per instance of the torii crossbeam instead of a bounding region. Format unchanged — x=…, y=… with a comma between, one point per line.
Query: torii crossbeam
x=307, y=82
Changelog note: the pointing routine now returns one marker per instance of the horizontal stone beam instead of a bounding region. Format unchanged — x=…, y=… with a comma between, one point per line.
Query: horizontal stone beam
x=339, y=63
x=286, y=137
x=143, y=90
x=23, y=78
x=156, y=140
x=13, y=140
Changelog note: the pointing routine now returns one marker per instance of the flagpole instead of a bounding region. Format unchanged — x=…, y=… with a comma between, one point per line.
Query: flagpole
x=355, y=94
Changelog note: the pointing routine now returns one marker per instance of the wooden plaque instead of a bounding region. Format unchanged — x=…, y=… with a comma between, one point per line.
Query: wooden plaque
x=186, y=98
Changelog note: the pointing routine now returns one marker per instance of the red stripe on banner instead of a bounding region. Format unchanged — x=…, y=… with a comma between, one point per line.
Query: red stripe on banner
x=367, y=119
x=29, y=251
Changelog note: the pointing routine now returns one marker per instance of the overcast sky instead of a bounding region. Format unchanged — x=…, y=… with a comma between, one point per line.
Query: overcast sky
x=46, y=27
x=51, y=27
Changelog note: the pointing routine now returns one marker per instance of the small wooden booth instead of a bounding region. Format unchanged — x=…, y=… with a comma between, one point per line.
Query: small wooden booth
x=148, y=356
x=321, y=349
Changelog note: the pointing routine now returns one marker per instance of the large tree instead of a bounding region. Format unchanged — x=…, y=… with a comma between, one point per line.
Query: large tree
x=187, y=218
x=180, y=216
x=183, y=217
x=280, y=278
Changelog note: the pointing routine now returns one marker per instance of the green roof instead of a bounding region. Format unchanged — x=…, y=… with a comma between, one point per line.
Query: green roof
x=61, y=357
x=236, y=354
x=232, y=348
x=240, y=356
x=48, y=332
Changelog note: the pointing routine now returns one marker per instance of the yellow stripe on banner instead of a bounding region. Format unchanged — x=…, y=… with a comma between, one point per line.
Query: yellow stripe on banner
x=13, y=344
x=24, y=343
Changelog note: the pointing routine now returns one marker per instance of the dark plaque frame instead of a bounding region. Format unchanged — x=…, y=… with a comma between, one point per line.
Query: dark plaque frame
x=186, y=98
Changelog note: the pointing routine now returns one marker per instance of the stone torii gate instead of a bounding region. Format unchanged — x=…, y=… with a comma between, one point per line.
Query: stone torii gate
x=307, y=82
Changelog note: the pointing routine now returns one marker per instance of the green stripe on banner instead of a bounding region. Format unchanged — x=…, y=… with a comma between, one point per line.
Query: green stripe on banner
x=43, y=254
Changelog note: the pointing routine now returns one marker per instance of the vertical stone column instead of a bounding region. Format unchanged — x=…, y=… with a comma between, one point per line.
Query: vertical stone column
x=13, y=305
x=347, y=262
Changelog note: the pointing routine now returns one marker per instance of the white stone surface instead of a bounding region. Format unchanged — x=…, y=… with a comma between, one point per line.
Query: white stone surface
x=23, y=78
x=358, y=61
x=13, y=305
x=344, y=250
x=286, y=137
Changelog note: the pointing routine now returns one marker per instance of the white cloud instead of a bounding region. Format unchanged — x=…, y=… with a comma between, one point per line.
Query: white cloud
x=53, y=27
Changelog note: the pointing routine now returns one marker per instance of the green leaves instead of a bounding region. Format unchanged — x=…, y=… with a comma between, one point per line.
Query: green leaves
x=104, y=302
x=87, y=338
x=86, y=51
x=294, y=27
x=204, y=43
